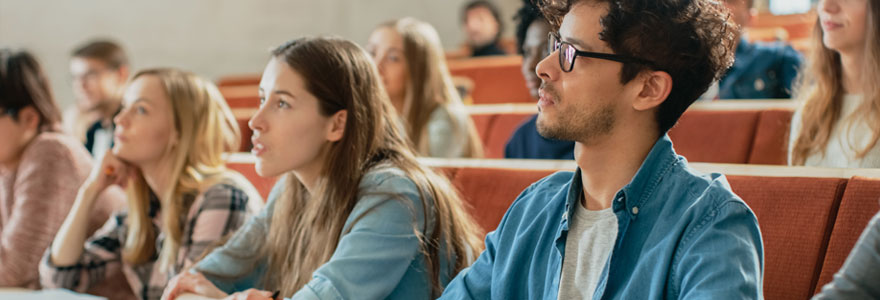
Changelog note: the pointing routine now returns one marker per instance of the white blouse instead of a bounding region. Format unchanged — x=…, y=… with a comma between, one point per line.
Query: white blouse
x=848, y=137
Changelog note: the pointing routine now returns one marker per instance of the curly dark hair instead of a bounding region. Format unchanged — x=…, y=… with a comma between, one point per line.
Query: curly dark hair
x=525, y=16
x=691, y=40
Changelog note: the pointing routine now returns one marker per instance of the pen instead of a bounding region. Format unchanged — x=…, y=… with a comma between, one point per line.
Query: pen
x=275, y=294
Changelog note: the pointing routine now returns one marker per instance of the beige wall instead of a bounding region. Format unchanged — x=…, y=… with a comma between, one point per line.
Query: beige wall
x=209, y=37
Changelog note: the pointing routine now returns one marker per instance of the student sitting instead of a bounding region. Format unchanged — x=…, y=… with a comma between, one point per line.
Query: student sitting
x=40, y=170
x=839, y=122
x=531, y=35
x=355, y=216
x=634, y=221
x=168, y=142
x=410, y=60
x=761, y=70
x=483, y=28
x=99, y=70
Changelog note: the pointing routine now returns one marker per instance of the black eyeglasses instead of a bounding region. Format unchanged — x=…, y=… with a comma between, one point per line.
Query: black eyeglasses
x=568, y=53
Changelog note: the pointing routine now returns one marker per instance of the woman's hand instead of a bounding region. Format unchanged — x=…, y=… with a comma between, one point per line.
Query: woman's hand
x=68, y=243
x=112, y=170
x=251, y=294
x=195, y=283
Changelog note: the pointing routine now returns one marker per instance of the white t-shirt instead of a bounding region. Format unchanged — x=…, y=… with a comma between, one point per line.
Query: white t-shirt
x=102, y=140
x=591, y=237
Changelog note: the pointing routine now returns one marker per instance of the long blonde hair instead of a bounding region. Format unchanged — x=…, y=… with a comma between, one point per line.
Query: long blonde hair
x=430, y=86
x=205, y=130
x=821, y=89
x=306, y=228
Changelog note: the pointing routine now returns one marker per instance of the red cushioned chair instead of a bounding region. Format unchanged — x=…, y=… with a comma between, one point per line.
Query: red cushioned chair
x=715, y=136
x=796, y=216
x=858, y=205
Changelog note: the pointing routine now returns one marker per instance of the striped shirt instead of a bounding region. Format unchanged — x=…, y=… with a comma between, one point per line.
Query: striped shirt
x=220, y=210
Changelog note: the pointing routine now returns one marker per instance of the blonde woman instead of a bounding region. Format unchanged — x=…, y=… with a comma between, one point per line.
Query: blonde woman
x=839, y=123
x=168, y=142
x=356, y=217
x=410, y=59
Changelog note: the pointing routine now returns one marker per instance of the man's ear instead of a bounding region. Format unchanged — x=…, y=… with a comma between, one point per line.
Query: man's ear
x=336, y=130
x=656, y=86
x=123, y=73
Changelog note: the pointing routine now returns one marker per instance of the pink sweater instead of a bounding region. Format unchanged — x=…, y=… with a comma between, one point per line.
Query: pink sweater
x=34, y=200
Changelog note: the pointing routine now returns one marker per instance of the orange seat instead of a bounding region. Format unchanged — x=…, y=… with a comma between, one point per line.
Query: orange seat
x=796, y=215
x=489, y=192
x=770, y=146
x=859, y=204
x=234, y=80
x=715, y=136
x=496, y=79
x=500, y=131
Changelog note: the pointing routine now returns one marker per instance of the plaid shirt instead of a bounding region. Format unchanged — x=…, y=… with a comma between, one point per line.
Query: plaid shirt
x=221, y=209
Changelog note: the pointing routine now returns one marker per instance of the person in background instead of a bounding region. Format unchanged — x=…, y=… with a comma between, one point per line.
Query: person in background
x=41, y=170
x=531, y=37
x=838, y=123
x=483, y=28
x=355, y=216
x=760, y=70
x=634, y=221
x=168, y=141
x=410, y=60
x=100, y=70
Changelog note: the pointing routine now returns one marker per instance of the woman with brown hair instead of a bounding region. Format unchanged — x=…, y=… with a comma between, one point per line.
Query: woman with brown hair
x=40, y=170
x=355, y=216
x=839, y=122
x=410, y=60
x=169, y=138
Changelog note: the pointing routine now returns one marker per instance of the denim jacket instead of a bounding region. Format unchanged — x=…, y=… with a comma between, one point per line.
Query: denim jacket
x=681, y=235
x=377, y=257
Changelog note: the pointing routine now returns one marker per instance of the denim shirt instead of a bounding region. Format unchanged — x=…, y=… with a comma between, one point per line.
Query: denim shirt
x=377, y=256
x=682, y=235
x=760, y=71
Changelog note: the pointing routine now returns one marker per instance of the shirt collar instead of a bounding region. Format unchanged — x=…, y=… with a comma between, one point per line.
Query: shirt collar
x=655, y=167
x=635, y=194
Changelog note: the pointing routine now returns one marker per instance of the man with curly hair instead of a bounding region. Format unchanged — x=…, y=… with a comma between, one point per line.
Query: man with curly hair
x=634, y=221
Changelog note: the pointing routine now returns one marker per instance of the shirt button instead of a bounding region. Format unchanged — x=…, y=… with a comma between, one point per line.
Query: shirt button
x=635, y=210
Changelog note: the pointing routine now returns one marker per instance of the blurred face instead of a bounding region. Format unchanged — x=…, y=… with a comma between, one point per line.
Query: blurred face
x=480, y=26
x=145, y=132
x=94, y=83
x=15, y=134
x=386, y=48
x=534, y=50
x=583, y=104
x=844, y=24
x=290, y=133
x=742, y=13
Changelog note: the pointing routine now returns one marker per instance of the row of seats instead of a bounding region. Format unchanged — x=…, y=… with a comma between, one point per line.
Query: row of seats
x=493, y=79
x=741, y=132
x=810, y=218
